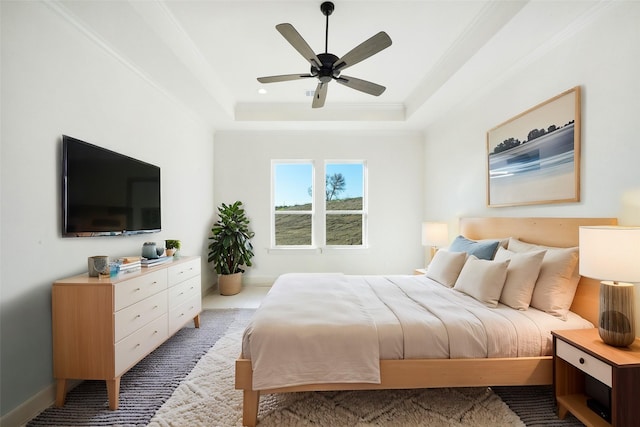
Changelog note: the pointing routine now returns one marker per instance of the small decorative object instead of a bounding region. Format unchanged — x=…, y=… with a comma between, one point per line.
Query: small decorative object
x=173, y=246
x=149, y=250
x=610, y=253
x=534, y=157
x=114, y=269
x=434, y=235
x=230, y=247
x=98, y=265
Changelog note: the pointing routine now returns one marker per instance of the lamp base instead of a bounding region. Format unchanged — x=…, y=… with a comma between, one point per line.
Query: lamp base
x=616, y=320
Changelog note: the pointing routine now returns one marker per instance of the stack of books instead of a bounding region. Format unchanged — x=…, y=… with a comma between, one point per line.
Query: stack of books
x=130, y=264
x=150, y=262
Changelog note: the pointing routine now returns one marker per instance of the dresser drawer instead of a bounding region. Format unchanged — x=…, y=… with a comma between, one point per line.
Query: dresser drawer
x=585, y=362
x=131, y=291
x=135, y=316
x=184, y=291
x=180, y=315
x=183, y=271
x=137, y=345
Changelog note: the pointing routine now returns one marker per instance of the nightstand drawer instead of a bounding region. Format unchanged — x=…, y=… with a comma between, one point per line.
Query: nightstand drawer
x=585, y=362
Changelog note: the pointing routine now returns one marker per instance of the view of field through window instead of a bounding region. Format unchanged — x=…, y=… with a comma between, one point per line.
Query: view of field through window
x=344, y=203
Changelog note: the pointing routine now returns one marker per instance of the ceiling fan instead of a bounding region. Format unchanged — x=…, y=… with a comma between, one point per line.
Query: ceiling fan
x=327, y=66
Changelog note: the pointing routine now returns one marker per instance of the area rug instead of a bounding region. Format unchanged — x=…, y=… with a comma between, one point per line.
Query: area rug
x=207, y=398
x=189, y=381
x=145, y=387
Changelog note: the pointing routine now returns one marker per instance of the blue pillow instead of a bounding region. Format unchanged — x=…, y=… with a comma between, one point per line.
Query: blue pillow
x=485, y=249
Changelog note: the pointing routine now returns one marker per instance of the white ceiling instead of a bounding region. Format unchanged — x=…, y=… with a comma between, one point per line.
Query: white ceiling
x=206, y=54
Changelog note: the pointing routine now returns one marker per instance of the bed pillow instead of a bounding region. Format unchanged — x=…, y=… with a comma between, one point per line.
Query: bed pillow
x=445, y=267
x=482, y=279
x=522, y=275
x=482, y=249
x=558, y=279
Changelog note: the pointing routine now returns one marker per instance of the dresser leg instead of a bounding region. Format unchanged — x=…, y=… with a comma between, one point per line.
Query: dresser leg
x=113, y=391
x=196, y=321
x=61, y=392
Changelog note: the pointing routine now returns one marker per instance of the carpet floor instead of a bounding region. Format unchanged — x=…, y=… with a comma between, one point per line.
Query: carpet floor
x=188, y=381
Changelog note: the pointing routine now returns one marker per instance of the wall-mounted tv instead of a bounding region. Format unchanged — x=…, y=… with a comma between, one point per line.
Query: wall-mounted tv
x=105, y=193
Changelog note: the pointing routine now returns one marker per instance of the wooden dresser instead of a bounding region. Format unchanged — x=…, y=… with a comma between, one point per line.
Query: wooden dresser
x=104, y=326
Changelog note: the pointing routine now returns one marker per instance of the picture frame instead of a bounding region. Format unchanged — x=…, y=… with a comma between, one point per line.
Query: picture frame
x=534, y=157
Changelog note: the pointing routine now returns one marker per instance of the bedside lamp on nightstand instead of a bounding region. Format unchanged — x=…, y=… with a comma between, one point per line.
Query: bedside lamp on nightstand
x=434, y=235
x=612, y=254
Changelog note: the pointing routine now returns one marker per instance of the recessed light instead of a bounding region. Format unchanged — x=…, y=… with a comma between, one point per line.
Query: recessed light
x=262, y=91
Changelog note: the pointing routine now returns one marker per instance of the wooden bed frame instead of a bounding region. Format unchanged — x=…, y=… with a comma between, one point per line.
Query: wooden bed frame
x=433, y=373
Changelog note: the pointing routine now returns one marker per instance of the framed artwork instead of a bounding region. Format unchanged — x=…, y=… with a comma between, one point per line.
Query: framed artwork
x=534, y=157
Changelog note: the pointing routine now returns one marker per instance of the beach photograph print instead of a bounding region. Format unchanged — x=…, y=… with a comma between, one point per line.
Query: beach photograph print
x=534, y=158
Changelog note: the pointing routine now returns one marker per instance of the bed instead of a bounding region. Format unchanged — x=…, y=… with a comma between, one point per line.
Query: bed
x=423, y=372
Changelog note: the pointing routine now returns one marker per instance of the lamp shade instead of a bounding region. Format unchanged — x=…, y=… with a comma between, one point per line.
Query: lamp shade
x=610, y=253
x=435, y=234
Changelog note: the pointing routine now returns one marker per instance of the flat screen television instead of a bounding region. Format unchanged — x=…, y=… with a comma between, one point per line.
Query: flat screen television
x=105, y=193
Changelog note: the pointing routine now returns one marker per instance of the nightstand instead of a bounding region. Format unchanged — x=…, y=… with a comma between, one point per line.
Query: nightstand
x=419, y=271
x=584, y=364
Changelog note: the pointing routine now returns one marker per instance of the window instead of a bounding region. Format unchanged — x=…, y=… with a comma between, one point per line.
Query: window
x=338, y=192
x=345, y=215
x=292, y=204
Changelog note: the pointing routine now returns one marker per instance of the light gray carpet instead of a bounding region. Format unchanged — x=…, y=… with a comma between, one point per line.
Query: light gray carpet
x=171, y=387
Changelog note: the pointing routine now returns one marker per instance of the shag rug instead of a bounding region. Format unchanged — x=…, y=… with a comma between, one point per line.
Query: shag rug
x=189, y=381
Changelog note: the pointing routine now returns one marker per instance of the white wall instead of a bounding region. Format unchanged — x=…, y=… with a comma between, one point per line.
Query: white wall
x=603, y=60
x=56, y=80
x=242, y=170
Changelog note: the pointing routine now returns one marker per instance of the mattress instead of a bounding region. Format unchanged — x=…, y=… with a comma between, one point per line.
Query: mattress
x=318, y=328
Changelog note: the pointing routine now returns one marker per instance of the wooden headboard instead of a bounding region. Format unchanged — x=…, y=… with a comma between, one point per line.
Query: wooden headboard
x=561, y=232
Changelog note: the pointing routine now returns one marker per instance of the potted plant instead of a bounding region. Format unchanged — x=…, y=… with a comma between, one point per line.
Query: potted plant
x=230, y=248
x=172, y=246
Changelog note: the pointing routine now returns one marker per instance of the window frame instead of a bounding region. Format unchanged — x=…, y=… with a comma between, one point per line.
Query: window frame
x=274, y=211
x=319, y=211
x=363, y=212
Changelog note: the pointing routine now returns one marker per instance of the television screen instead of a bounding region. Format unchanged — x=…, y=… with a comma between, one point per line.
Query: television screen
x=105, y=193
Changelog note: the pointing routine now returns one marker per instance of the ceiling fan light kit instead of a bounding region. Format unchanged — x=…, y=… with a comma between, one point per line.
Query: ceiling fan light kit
x=327, y=66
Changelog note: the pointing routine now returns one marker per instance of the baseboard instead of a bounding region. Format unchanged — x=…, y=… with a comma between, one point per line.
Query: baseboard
x=19, y=416
x=257, y=280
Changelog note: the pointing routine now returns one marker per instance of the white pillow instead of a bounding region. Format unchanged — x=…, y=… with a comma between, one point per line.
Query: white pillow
x=522, y=275
x=482, y=279
x=558, y=279
x=445, y=267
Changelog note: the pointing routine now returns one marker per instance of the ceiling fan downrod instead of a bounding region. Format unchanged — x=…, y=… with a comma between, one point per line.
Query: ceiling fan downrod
x=327, y=9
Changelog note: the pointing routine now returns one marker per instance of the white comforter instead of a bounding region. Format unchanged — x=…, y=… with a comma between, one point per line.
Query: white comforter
x=332, y=328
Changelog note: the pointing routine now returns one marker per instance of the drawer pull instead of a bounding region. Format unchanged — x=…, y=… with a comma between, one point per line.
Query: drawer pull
x=137, y=345
x=155, y=306
x=138, y=316
x=581, y=360
x=137, y=289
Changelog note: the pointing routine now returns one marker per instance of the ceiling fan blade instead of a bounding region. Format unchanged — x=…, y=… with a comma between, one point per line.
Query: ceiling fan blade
x=320, y=95
x=283, y=78
x=364, y=50
x=296, y=40
x=361, y=85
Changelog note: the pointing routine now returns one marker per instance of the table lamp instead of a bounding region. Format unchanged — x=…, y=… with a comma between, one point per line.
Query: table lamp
x=434, y=235
x=612, y=254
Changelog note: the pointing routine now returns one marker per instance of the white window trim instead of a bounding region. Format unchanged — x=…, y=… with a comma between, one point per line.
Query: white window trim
x=273, y=212
x=318, y=209
x=364, y=212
